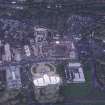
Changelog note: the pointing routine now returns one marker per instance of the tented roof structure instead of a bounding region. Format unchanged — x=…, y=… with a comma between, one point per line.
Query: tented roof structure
x=46, y=80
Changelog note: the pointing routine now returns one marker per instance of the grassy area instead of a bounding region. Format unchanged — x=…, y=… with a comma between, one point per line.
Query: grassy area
x=82, y=89
x=60, y=68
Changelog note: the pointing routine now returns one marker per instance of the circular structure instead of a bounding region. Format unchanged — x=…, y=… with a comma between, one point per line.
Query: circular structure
x=42, y=68
x=46, y=82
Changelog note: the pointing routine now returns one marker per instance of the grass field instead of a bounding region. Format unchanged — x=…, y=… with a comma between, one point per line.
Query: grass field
x=82, y=89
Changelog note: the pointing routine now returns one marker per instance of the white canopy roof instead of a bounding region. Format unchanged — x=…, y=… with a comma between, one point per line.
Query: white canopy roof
x=46, y=80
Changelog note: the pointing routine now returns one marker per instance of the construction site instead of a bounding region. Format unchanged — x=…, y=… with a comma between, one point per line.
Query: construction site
x=52, y=52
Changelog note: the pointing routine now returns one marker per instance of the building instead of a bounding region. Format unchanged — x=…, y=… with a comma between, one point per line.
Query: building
x=27, y=50
x=13, y=77
x=74, y=73
x=7, y=52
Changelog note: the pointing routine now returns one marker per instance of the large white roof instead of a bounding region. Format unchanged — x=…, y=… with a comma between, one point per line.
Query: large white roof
x=46, y=80
x=72, y=64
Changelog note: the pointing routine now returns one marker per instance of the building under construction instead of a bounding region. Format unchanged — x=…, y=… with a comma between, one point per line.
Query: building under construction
x=52, y=52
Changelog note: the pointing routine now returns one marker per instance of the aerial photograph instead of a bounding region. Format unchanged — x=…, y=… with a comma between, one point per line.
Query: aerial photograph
x=52, y=52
